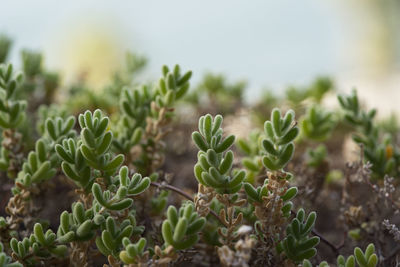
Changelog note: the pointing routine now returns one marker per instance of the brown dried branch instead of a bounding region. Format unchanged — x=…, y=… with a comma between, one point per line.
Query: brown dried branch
x=184, y=194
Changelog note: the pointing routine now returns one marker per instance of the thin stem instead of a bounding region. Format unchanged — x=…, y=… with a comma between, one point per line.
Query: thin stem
x=184, y=194
x=229, y=228
x=334, y=248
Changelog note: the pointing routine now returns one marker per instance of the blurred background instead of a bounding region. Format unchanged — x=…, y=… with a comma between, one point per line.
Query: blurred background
x=270, y=44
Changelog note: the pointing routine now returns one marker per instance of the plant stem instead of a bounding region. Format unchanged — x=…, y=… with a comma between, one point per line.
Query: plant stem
x=184, y=194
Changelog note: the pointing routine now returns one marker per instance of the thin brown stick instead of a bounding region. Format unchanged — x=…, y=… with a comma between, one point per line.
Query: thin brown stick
x=184, y=194
x=334, y=248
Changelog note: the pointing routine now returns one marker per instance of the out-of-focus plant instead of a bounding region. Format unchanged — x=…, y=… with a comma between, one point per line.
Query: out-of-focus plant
x=252, y=160
x=222, y=96
x=315, y=92
x=5, y=46
x=378, y=146
x=367, y=259
x=31, y=63
x=134, y=64
x=264, y=105
x=146, y=113
x=12, y=115
x=317, y=124
x=316, y=156
x=12, y=110
x=40, y=85
x=53, y=111
x=5, y=260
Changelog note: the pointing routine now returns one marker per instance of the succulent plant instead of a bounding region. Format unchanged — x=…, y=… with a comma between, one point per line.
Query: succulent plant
x=12, y=111
x=181, y=228
x=214, y=158
x=39, y=244
x=378, y=147
x=318, y=124
x=280, y=132
x=101, y=157
x=298, y=245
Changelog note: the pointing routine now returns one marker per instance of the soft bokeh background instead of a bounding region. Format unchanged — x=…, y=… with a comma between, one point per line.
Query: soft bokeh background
x=269, y=43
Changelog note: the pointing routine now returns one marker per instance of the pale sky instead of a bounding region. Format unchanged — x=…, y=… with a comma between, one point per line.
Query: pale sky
x=269, y=43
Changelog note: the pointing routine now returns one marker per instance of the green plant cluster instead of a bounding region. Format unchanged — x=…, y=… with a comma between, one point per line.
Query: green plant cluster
x=39, y=244
x=110, y=241
x=316, y=156
x=135, y=108
x=253, y=156
x=90, y=155
x=298, y=245
x=41, y=163
x=316, y=91
x=5, y=45
x=132, y=252
x=144, y=104
x=12, y=110
x=49, y=112
x=278, y=144
x=378, y=146
x=6, y=261
x=317, y=124
x=12, y=115
x=223, y=96
x=256, y=195
x=181, y=228
x=275, y=151
x=121, y=196
x=31, y=62
x=215, y=160
x=38, y=81
x=360, y=258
